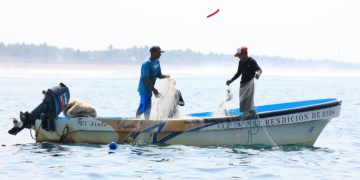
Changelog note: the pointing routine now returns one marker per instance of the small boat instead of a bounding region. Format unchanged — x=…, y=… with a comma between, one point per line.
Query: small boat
x=280, y=124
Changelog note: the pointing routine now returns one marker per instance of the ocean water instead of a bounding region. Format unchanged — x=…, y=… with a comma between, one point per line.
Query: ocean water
x=335, y=155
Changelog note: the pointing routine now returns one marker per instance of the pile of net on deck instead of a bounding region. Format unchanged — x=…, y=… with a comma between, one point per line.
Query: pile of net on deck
x=77, y=108
x=166, y=106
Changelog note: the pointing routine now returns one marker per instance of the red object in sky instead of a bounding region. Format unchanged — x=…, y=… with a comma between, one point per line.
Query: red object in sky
x=213, y=13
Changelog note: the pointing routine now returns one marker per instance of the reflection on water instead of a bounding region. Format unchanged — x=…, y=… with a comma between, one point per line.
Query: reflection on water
x=138, y=160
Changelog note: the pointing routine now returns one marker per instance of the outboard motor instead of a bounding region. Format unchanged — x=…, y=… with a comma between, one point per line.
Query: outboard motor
x=54, y=102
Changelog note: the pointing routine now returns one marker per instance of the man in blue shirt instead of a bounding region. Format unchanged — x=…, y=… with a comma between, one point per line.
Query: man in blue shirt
x=150, y=70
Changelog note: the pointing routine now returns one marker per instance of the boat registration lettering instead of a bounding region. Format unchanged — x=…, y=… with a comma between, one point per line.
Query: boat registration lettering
x=82, y=123
x=239, y=124
x=328, y=113
x=92, y=123
x=301, y=117
x=98, y=124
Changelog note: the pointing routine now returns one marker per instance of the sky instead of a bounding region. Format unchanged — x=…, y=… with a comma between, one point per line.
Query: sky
x=300, y=29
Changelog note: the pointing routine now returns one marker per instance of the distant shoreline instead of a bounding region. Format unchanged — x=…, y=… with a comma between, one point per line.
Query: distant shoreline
x=64, y=66
x=170, y=69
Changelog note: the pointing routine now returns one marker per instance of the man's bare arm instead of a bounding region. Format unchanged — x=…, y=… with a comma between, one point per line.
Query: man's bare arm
x=148, y=83
x=162, y=76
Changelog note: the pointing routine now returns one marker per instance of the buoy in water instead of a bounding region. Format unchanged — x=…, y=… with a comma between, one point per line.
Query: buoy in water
x=112, y=145
x=130, y=139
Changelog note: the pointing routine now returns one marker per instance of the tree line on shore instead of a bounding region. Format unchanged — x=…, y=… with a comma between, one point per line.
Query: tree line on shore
x=44, y=53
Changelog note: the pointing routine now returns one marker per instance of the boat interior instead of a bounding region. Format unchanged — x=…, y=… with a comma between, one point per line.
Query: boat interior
x=265, y=110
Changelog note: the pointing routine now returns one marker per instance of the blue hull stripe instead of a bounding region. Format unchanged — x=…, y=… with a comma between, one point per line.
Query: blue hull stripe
x=155, y=137
x=151, y=128
x=134, y=135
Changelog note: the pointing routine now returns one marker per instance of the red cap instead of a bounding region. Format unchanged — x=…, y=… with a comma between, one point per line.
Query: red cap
x=241, y=50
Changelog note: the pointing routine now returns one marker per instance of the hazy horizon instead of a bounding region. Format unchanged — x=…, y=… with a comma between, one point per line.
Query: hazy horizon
x=81, y=70
x=167, y=50
x=303, y=29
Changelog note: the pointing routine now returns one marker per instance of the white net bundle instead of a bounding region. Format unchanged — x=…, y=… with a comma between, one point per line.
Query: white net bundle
x=246, y=101
x=166, y=107
x=224, y=105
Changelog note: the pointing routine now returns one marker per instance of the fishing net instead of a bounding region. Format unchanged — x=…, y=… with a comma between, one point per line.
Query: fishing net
x=224, y=105
x=246, y=99
x=166, y=107
x=249, y=113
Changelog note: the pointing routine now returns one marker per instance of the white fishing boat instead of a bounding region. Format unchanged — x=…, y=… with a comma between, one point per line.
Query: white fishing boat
x=279, y=124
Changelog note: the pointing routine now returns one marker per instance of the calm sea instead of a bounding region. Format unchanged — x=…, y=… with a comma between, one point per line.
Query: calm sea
x=335, y=155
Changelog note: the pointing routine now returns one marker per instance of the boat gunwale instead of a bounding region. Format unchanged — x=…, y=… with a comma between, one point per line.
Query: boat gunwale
x=200, y=119
x=268, y=113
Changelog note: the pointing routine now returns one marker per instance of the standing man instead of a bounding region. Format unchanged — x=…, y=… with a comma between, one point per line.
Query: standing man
x=249, y=69
x=150, y=70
